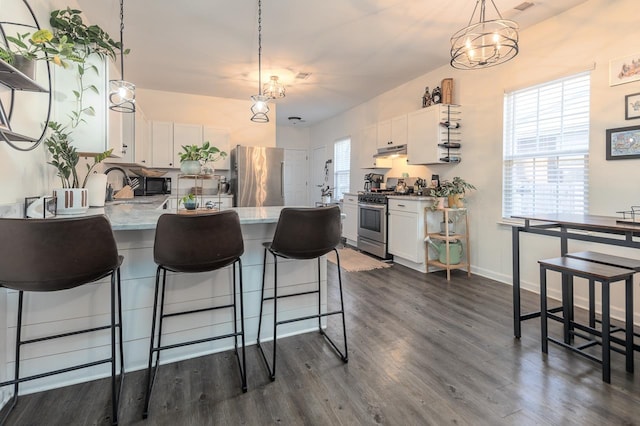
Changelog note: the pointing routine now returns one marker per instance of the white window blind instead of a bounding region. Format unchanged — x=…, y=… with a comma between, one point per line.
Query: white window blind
x=341, y=167
x=546, y=148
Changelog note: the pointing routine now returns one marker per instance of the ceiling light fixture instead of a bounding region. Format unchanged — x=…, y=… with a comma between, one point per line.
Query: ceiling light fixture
x=485, y=43
x=260, y=101
x=122, y=94
x=273, y=89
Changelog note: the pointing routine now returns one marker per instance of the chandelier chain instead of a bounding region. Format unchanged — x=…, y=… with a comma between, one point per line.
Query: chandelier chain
x=259, y=46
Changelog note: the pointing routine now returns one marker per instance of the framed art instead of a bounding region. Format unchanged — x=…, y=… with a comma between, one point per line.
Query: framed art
x=624, y=70
x=632, y=106
x=623, y=143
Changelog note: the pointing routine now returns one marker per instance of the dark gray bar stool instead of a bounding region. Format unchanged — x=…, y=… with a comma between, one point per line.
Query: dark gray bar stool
x=44, y=255
x=188, y=244
x=303, y=233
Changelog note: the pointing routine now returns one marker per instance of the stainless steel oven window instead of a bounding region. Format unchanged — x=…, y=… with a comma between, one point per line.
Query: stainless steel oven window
x=372, y=221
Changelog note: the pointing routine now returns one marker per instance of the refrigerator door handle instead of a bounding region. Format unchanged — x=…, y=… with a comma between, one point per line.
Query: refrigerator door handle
x=282, y=179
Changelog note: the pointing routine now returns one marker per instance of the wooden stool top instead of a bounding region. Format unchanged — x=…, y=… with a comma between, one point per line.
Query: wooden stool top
x=587, y=269
x=607, y=259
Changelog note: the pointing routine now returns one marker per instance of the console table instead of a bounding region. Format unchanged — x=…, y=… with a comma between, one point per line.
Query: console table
x=599, y=229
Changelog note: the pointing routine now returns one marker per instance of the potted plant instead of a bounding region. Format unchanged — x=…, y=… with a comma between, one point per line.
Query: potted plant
x=26, y=48
x=457, y=189
x=72, y=197
x=189, y=202
x=440, y=193
x=193, y=157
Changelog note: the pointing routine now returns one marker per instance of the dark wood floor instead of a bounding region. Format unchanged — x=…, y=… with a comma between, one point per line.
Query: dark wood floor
x=422, y=351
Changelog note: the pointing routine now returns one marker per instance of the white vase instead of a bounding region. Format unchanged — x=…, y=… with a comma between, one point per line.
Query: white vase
x=97, y=187
x=71, y=200
x=190, y=167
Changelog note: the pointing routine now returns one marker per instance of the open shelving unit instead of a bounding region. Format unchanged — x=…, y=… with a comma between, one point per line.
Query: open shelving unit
x=447, y=238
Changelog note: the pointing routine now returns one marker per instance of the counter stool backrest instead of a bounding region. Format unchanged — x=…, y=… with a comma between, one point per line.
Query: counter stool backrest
x=198, y=243
x=307, y=233
x=56, y=254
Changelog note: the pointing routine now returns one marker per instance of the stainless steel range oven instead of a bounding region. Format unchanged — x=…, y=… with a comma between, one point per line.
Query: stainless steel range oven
x=372, y=224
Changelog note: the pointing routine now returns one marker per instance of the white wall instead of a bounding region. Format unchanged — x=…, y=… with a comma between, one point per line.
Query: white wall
x=592, y=33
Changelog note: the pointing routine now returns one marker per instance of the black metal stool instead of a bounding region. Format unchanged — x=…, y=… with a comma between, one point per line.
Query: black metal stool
x=606, y=275
x=196, y=243
x=43, y=255
x=302, y=234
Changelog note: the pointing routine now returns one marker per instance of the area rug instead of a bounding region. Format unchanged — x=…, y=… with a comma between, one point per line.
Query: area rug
x=353, y=261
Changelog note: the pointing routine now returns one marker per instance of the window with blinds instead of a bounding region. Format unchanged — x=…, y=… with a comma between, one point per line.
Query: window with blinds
x=546, y=148
x=341, y=167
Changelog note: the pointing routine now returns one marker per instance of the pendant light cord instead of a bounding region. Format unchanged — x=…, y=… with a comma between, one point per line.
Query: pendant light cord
x=121, y=40
x=259, y=47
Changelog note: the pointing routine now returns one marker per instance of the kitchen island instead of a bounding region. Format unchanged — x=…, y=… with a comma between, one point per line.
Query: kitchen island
x=134, y=224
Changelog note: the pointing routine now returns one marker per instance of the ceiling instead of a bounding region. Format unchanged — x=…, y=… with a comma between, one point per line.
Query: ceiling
x=352, y=50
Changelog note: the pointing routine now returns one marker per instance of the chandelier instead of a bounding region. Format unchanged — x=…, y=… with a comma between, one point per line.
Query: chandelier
x=260, y=107
x=122, y=94
x=273, y=89
x=485, y=43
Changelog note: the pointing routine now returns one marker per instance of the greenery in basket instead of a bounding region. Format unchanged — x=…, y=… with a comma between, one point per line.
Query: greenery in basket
x=64, y=157
x=204, y=153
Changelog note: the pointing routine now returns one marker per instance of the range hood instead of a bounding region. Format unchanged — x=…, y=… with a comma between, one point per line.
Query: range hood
x=391, y=151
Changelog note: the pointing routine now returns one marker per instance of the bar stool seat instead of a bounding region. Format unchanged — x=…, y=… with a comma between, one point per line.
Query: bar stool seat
x=48, y=255
x=592, y=271
x=303, y=234
x=190, y=244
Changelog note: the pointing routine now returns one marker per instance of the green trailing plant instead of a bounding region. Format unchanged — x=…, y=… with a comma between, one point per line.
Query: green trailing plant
x=65, y=157
x=204, y=153
x=41, y=45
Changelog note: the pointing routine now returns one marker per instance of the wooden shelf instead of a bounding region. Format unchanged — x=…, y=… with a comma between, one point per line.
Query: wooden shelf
x=447, y=239
x=16, y=137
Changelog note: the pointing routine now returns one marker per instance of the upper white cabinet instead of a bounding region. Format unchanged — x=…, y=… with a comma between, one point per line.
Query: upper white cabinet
x=162, y=144
x=392, y=132
x=220, y=139
x=136, y=148
x=185, y=134
x=369, y=148
x=434, y=135
x=167, y=139
x=96, y=132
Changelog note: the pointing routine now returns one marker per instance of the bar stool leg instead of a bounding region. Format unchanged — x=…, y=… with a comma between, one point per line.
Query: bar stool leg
x=151, y=371
x=244, y=356
x=629, y=323
x=344, y=357
x=114, y=402
x=567, y=307
x=16, y=371
x=543, y=309
x=606, y=329
x=592, y=303
x=275, y=315
x=320, y=299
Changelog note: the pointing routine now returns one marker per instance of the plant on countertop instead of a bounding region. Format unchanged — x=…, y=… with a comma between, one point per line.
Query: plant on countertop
x=64, y=157
x=204, y=153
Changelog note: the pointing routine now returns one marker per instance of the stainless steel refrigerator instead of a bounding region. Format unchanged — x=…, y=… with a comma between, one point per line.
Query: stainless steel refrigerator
x=257, y=176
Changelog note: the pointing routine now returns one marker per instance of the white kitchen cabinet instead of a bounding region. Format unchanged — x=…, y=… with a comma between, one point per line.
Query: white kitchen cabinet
x=369, y=147
x=434, y=135
x=350, y=221
x=162, y=144
x=102, y=129
x=185, y=134
x=406, y=228
x=392, y=132
x=220, y=139
x=141, y=142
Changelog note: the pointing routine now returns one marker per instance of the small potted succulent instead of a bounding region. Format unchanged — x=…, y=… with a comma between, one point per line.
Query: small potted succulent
x=189, y=201
x=193, y=157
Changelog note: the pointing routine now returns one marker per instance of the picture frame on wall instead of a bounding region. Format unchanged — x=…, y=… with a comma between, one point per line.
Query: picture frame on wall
x=623, y=143
x=624, y=70
x=632, y=106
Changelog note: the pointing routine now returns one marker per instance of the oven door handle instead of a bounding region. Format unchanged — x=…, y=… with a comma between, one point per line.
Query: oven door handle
x=372, y=206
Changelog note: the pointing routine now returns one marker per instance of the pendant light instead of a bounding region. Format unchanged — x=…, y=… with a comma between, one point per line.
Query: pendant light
x=260, y=101
x=485, y=43
x=122, y=94
x=273, y=89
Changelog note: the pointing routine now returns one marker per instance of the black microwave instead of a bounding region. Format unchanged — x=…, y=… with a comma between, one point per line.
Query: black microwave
x=153, y=186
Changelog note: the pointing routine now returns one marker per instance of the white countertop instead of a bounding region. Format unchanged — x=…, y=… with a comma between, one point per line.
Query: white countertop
x=143, y=213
